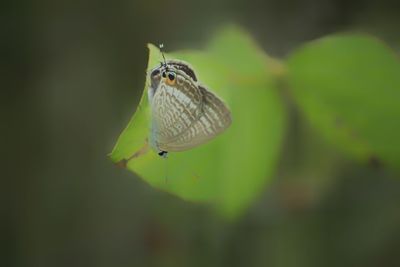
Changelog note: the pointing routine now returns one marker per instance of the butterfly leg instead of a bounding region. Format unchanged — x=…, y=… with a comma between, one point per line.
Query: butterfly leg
x=163, y=154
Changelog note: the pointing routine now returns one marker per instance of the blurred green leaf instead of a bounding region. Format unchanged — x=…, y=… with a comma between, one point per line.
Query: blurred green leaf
x=232, y=169
x=349, y=88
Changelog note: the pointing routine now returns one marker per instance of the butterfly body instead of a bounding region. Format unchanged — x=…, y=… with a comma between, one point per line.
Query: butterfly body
x=184, y=113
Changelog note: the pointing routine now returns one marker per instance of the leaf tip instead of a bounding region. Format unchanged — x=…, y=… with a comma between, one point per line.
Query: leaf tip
x=122, y=163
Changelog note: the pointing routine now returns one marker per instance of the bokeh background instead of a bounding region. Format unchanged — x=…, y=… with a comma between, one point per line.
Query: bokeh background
x=72, y=74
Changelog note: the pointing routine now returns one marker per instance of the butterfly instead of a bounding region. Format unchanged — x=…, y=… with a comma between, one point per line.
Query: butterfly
x=184, y=113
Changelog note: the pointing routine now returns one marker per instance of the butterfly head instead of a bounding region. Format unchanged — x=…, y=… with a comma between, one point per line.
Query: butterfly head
x=165, y=74
x=172, y=73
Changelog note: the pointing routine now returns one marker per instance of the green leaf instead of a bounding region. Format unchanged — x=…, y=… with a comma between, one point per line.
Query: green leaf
x=349, y=88
x=232, y=169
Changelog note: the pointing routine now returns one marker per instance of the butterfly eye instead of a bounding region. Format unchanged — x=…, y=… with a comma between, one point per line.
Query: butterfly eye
x=164, y=74
x=171, y=76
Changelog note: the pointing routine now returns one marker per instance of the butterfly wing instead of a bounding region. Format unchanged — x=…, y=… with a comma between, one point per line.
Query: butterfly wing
x=174, y=110
x=214, y=118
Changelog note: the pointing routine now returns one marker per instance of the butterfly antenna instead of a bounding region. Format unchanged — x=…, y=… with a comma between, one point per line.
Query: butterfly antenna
x=161, y=46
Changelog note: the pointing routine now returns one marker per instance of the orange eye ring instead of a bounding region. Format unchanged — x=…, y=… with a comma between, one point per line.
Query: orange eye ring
x=171, y=78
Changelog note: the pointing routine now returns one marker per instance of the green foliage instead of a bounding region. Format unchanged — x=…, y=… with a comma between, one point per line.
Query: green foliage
x=232, y=169
x=347, y=86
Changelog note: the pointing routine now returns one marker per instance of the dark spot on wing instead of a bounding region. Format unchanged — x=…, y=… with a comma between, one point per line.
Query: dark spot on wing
x=185, y=68
x=155, y=79
x=155, y=72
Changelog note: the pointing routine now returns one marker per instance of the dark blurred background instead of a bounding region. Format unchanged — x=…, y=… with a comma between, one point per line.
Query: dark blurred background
x=72, y=74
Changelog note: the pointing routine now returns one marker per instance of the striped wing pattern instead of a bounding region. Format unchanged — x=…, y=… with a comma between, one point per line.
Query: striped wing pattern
x=186, y=115
x=214, y=119
x=173, y=112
